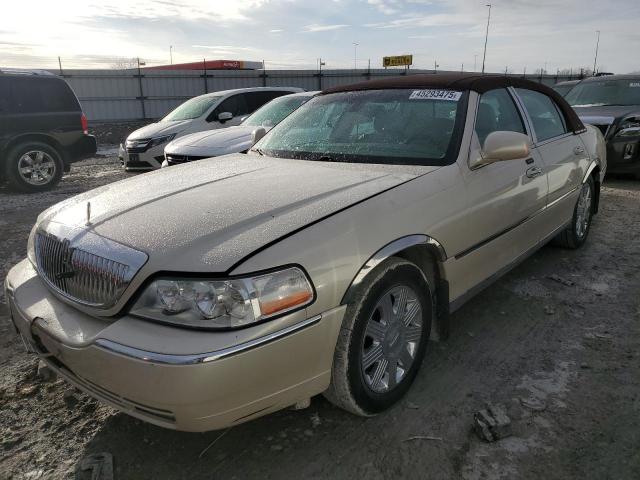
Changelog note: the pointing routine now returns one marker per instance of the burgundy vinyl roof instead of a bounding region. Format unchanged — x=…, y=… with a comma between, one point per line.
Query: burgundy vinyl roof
x=465, y=81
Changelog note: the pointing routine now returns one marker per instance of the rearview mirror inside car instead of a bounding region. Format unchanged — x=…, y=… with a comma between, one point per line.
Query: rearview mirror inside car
x=501, y=146
x=224, y=116
x=257, y=134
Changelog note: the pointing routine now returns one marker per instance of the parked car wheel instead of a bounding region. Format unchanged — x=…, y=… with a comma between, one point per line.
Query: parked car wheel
x=33, y=167
x=576, y=234
x=383, y=339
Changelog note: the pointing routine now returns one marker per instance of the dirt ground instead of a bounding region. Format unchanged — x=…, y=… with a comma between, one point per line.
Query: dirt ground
x=555, y=341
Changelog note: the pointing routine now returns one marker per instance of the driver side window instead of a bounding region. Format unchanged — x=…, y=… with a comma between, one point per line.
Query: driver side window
x=497, y=112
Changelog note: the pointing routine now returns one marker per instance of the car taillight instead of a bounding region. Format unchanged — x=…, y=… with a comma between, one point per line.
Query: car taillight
x=84, y=123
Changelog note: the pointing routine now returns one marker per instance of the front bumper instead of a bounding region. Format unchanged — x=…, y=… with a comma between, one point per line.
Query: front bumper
x=150, y=159
x=195, y=392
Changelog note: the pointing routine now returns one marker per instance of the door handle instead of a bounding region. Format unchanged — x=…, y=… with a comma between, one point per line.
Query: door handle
x=578, y=150
x=533, y=172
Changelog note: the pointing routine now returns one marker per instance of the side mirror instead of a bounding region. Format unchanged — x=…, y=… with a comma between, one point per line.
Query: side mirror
x=501, y=146
x=257, y=134
x=224, y=116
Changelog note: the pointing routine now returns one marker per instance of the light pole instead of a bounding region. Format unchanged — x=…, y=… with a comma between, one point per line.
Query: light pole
x=475, y=63
x=486, y=37
x=355, y=55
x=595, y=60
x=171, y=54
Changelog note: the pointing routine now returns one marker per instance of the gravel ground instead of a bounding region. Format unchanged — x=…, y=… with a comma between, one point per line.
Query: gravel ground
x=555, y=341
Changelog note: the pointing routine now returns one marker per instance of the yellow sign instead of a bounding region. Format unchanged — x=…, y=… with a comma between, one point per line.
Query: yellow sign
x=397, y=61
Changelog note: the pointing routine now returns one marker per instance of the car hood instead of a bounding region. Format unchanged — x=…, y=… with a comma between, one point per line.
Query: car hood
x=605, y=115
x=206, y=216
x=212, y=142
x=159, y=128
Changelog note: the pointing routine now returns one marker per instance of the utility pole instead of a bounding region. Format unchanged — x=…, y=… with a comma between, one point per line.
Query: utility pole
x=462, y=68
x=171, y=54
x=60, y=64
x=435, y=66
x=204, y=75
x=144, y=112
x=320, y=64
x=595, y=60
x=486, y=38
x=355, y=55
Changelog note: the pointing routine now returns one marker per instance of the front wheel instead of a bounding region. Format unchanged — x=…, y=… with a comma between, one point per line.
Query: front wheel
x=383, y=339
x=576, y=233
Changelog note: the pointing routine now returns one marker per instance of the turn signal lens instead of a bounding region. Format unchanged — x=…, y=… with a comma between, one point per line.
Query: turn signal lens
x=282, y=291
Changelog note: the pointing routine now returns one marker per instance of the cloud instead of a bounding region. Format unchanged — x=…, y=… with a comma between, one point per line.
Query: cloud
x=323, y=28
x=388, y=7
x=295, y=33
x=226, y=47
x=435, y=20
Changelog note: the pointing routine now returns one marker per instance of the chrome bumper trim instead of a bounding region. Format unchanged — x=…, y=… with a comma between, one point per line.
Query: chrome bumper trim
x=193, y=359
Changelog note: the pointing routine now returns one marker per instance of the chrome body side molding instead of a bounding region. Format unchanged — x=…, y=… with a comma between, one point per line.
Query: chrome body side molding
x=197, y=358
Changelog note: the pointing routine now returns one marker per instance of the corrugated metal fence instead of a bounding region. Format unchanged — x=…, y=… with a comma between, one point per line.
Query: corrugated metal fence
x=121, y=95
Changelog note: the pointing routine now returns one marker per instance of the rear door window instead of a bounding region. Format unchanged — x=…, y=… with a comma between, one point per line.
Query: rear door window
x=257, y=99
x=36, y=95
x=545, y=115
x=4, y=95
x=497, y=112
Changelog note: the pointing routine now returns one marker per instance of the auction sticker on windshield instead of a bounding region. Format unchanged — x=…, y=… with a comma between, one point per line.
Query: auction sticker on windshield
x=435, y=95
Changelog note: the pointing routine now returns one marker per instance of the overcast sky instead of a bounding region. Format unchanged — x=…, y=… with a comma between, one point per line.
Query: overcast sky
x=294, y=33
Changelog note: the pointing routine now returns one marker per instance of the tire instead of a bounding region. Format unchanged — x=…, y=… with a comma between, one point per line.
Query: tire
x=366, y=388
x=40, y=159
x=576, y=234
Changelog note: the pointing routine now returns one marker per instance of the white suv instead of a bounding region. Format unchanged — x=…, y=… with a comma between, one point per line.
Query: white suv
x=144, y=148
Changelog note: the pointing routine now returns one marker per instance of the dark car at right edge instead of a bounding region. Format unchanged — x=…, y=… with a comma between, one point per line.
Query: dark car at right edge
x=612, y=104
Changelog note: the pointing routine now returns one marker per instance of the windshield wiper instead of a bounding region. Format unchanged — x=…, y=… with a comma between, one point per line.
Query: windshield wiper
x=258, y=151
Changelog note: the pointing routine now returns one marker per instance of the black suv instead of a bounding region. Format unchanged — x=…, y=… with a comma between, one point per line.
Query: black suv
x=42, y=129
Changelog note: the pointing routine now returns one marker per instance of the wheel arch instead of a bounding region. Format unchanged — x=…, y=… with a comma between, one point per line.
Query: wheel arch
x=594, y=171
x=34, y=137
x=427, y=254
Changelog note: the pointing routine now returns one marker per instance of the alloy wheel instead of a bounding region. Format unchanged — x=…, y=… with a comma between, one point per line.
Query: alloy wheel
x=583, y=210
x=37, y=167
x=391, y=339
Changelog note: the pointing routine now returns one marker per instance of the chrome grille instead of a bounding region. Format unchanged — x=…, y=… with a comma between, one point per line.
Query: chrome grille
x=80, y=275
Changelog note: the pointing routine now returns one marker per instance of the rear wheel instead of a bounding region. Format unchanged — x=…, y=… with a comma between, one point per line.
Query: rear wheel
x=383, y=339
x=576, y=233
x=33, y=167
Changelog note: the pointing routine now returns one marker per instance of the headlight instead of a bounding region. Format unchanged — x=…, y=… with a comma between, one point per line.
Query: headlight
x=225, y=303
x=160, y=140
